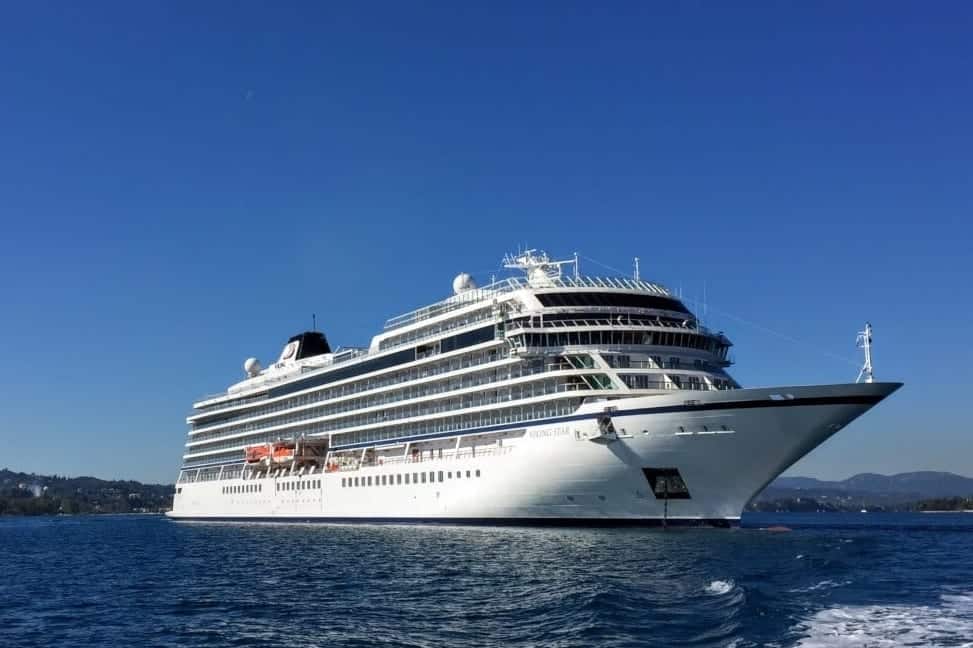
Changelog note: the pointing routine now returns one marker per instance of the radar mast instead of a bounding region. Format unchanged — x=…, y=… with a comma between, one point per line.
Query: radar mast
x=541, y=271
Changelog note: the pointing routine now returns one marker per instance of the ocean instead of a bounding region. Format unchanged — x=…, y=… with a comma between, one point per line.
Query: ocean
x=832, y=580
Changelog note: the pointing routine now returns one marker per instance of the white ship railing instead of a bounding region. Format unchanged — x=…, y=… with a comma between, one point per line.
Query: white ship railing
x=452, y=455
x=516, y=283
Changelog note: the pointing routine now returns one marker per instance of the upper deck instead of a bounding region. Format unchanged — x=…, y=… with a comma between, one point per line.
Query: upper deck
x=512, y=284
x=543, y=276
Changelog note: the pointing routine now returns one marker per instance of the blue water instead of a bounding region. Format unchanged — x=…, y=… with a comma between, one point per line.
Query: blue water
x=846, y=580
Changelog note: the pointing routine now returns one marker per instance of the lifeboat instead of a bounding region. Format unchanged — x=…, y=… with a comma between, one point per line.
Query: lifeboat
x=299, y=452
x=258, y=454
x=283, y=453
x=270, y=453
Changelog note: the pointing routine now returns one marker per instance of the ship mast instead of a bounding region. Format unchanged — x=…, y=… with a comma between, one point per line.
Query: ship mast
x=864, y=342
x=539, y=268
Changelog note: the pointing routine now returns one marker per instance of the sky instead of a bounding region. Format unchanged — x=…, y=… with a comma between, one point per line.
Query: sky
x=183, y=184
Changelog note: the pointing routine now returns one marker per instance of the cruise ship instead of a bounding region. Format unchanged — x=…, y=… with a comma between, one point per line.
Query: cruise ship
x=546, y=397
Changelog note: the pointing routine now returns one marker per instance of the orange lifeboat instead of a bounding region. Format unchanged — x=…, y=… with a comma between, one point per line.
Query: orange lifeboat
x=267, y=453
x=258, y=454
x=283, y=453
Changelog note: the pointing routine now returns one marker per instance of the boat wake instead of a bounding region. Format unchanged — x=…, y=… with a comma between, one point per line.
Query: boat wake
x=947, y=624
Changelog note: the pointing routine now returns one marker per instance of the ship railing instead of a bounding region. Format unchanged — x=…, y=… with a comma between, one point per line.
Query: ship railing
x=537, y=323
x=515, y=283
x=448, y=455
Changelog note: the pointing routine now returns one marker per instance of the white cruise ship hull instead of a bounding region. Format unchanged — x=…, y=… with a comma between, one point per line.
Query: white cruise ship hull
x=724, y=446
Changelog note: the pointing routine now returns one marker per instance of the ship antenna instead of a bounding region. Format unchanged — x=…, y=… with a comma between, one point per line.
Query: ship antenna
x=575, y=266
x=864, y=342
x=314, y=322
x=636, y=268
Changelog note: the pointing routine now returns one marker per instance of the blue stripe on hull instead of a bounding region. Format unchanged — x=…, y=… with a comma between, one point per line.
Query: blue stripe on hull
x=484, y=521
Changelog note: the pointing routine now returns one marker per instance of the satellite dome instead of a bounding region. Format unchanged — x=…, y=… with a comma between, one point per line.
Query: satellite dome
x=252, y=367
x=463, y=282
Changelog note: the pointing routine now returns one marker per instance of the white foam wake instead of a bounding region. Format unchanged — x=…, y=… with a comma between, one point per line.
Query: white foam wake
x=948, y=624
x=719, y=587
x=825, y=584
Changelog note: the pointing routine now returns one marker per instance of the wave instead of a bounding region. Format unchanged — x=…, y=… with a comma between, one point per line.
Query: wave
x=719, y=587
x=947, y=624
x=825, y=584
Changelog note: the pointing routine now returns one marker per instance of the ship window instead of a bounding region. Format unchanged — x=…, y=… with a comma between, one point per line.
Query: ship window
x=423, y=478
x=369, y=481
x=440, y=475
x=449, y=475
x=467, y=474
x=398, y=479
x=342, y=482
x=610, y=299
x=477, y=472
x=432, y=476
x=383, y=480
x=356, y=481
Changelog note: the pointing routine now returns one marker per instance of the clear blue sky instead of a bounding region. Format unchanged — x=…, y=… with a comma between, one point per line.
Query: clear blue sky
x=182, y=184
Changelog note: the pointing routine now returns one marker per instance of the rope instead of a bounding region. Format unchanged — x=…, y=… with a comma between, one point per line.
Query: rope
x=780, y=335
x=604, y=265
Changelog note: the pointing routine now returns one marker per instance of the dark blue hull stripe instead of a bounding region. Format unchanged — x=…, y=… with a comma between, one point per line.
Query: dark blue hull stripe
x=579, y=522
x=669, y=409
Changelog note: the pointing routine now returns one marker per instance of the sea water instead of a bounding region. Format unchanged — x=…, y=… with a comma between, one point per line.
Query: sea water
x=832, y=580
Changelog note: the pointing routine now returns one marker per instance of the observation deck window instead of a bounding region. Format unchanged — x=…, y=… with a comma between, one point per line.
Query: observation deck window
x=611, y=299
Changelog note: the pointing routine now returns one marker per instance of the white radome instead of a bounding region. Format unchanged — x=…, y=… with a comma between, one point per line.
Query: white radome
x=252, y=367
x=463, y=282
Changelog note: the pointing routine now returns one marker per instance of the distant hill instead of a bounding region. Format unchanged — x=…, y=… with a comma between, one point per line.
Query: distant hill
x=915, y=484
x=31, y=494
x=904, y=491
